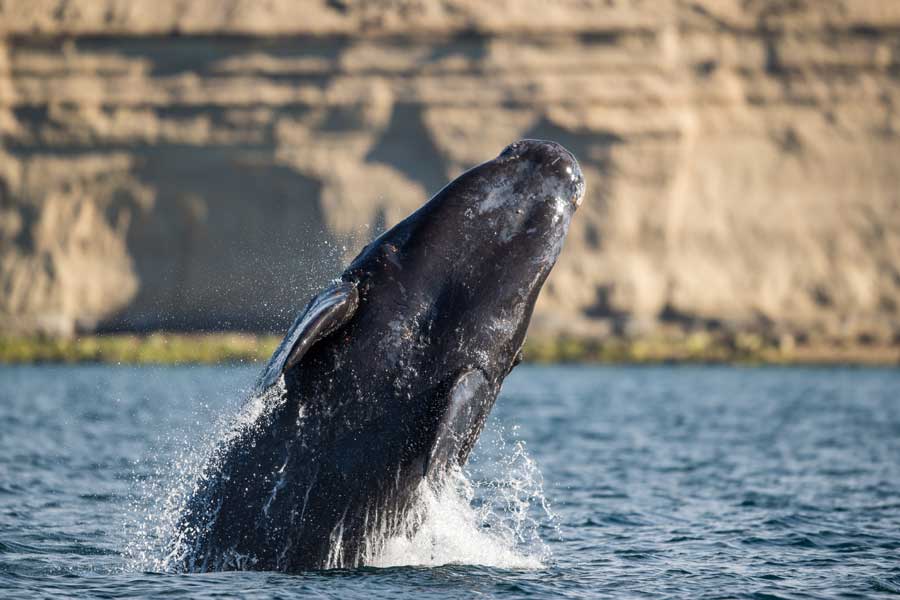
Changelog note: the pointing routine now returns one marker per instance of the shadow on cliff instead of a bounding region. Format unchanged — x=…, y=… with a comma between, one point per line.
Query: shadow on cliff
x=231, y=242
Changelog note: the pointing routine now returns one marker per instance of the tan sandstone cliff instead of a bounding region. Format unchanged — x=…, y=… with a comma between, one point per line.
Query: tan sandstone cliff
x=208, y=164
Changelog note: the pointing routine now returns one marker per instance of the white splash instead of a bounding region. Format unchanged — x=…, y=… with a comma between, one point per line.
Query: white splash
x=152, y=525
x=489, y=522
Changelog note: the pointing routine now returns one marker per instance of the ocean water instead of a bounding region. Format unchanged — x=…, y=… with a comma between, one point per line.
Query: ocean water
x=589, y=482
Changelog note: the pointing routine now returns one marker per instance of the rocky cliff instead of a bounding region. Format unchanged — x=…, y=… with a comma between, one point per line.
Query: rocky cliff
x=207, y=164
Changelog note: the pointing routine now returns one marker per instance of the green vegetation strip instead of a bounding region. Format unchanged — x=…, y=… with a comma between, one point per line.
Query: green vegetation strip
x=703, y=347
x=157, y=348
x=211, y=348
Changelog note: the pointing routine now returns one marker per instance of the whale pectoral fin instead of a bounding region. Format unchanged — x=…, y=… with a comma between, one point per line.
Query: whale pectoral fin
x=469, y=400
x=325, y=313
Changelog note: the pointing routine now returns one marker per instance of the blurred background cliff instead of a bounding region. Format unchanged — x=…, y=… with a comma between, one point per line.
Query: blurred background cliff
x=206, y=165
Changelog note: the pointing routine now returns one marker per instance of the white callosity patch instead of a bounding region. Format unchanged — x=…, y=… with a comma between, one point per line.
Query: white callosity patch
x=501, y=193
x=503, y=206
x=579, y=194
x=561, y=217
x=505, y=202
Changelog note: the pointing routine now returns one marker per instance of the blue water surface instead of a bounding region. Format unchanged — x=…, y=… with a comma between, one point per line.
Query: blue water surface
x=665, y=482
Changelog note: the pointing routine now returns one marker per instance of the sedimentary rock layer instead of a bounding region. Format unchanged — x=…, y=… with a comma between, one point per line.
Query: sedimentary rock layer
x=206, y=165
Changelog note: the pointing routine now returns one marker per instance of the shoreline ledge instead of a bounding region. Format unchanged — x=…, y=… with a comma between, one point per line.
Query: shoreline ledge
x=167, y=348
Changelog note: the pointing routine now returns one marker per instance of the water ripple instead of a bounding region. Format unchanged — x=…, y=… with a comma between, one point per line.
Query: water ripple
x=666, y=482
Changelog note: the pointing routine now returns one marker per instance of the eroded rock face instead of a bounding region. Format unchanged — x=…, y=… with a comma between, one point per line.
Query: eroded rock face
x=207, y=166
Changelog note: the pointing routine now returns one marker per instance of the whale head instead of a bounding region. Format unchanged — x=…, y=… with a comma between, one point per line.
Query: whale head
x=472, y=260
x=448, y=293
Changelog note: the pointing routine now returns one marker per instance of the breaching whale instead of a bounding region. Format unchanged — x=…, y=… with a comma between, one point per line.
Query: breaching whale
x=385, y=379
